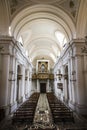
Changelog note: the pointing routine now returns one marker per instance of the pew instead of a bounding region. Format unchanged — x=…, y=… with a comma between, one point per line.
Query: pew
x=2, y=114
x=25, y=113
x=60, y=112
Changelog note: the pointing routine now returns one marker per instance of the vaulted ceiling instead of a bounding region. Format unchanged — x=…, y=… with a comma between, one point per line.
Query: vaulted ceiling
x=45, y=27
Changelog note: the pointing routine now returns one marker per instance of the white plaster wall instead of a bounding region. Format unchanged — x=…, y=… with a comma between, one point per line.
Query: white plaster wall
x=77, y=67
x=10, y=58
x=4, y=18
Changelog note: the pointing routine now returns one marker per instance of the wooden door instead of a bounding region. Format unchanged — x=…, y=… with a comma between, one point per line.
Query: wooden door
x=42, y=87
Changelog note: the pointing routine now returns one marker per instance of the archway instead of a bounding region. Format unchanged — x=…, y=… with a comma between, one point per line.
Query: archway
x=37, y=26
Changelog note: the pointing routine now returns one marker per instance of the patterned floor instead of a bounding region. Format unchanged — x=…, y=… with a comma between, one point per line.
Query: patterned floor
x=43, y=120
x=42, y=113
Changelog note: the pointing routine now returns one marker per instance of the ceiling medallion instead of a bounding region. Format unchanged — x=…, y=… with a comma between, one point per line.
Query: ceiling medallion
x=45, y=1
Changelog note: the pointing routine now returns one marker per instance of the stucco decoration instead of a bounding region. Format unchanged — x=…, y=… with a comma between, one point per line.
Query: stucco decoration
x=46, y=1
x=71, y=6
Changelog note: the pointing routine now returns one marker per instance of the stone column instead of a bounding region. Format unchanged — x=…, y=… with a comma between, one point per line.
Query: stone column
x=12, y=79
x=23, y=82
x=47, y=86
x=4, y=99
x=57, y=91
x=19, y=84
x=65, y=85
x=26, y=84
x=26, y=90
x=73, y=82
x=85, y=76
x=65, y=91
x=15, y=89
x=28, y=93
x=80, y=89
x=29, y=87
x=62, y=81
x=38, y=85
x=11, y=85
x=30, y=82
x=69, y=75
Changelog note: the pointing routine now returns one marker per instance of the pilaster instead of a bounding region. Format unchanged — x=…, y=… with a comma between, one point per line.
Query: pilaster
x=38, y=85
x=81, y=95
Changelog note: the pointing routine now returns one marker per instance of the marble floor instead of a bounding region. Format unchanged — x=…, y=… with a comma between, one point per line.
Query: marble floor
x=43, y=119
x=42, y=113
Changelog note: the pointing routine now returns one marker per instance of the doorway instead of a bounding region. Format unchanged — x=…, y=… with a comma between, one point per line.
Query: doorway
x=42, y=87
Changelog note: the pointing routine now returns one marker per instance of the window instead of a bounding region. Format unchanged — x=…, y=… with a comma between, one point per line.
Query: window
x=20, y=40
x=61, y=38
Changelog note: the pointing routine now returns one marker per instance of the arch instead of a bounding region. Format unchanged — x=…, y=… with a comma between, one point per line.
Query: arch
x=41, y=51
x=19, y=69
x=66, y=69
x=82, y=18
x=42, y=14
x=53, y=13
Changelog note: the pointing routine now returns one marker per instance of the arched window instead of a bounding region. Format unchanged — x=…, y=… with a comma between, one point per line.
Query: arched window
x=61, y=38
x=20, y=40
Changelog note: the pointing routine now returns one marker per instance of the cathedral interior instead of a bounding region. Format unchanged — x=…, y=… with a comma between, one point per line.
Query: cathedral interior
x=43, y=64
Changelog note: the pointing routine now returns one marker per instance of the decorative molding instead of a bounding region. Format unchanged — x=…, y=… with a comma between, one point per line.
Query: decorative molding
x=73, y=80
x=59, y=76
x=12, y=80
x=26, y=77
x=43, y=76
x=60, y=86
x=65, y=76
x=1, y=49
x=16, y=5
x=84, y=49
x=19, y=77
x=71, y=6
x=20, y=100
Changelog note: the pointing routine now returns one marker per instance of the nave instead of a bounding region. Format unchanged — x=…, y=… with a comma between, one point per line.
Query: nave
x=43, y=48
x=43, y=112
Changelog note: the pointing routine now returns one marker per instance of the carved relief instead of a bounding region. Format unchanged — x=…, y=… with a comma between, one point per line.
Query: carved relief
x=43, y=76
x=13, y=5
x=70, y=6
x=17, y=4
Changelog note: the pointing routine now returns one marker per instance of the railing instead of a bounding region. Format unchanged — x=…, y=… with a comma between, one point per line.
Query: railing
x=42, y=76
